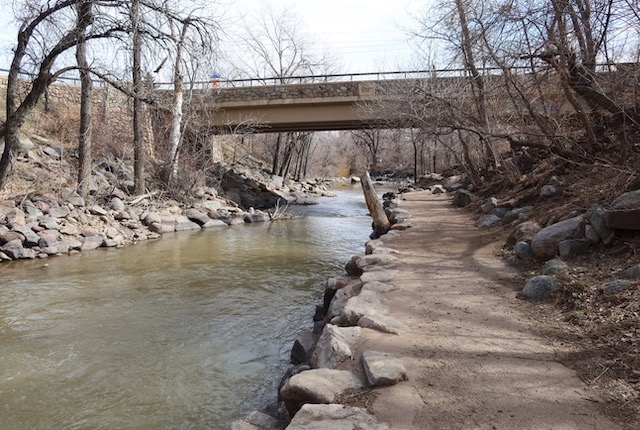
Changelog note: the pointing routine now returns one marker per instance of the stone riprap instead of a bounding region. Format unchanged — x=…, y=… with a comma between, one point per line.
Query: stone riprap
x=57, y=226
x=351, y=305
x=334, y=417
x=43, y=225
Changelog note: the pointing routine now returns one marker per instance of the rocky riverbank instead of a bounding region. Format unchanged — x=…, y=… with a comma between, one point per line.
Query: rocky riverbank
x=338, y=365
x=61, y=222
x=323, y=372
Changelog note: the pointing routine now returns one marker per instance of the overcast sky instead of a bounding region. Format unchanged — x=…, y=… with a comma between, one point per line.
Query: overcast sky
x=365, y=35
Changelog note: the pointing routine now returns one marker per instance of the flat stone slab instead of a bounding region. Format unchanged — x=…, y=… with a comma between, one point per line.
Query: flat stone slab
x=317, y=386
x=375, y=261
x=255, y=421
x=334, y=346
x=384, y=250
x=365, y=303
x=378, y=275
x=383, y=323
x=214, y=223
x=378, y=287
x=334, y=417
x=382, y=368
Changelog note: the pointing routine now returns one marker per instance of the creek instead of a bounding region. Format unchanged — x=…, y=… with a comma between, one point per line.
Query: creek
x=190, y=331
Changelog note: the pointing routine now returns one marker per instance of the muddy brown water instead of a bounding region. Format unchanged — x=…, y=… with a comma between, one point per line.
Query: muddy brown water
x=187, y=332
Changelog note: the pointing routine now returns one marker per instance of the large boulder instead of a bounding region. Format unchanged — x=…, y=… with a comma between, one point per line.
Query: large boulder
x=462, y=198
x=523, y=250
x=632, y=272
x=597, y=221
x=48, y=238
x=30, y=237
x=92, y=242
x=332, y=286
x=383, y=323
x=556, y=267
x=398, y=215
x=334, y=417
x=16, y=218
x=255, y=421
x=151, y=218
x=183, y=223
x=340, y=298
x=545, y=243
x=334, y=346
x=375, y=261
x=303, y=347
x=352, y=268
x=49, y=223
x=617, y=285
x=489, y=206
x=366, y=303
x=539, y=287
x=383, y=368
x=117, y=204
x=197, y=216
x=572, y=247
x=523, y=233
x=317, y=386
x=487, y=221
x=630, y=200
x=372, y=245
x=8, y=236
x=517, y=213
x=378, y=275
x=72, y=196
x=13, y=249
x=453, y=183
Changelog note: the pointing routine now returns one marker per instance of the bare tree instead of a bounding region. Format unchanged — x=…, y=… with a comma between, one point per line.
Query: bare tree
x=49, y=29
x=280, y=50
x=19, y=105
x=84, y=139
x=175, y=132
x=370, y=141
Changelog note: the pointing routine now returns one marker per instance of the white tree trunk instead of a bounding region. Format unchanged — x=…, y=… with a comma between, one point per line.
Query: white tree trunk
x=175, y=134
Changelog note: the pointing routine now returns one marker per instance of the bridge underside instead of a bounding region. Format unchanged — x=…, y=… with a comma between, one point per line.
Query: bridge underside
x=293, y=115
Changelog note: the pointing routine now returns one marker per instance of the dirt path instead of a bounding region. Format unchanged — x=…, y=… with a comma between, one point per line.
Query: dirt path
x=473, y=357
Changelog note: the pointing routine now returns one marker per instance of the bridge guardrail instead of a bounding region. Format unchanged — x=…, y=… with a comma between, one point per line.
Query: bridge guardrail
x=336, y=77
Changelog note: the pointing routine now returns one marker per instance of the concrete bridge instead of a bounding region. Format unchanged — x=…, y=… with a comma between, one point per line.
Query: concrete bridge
x=294, y=107
x=331, y=102
x=338, y=102
x=316, y=106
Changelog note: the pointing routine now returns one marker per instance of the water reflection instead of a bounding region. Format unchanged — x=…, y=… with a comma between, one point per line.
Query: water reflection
x=181, y=332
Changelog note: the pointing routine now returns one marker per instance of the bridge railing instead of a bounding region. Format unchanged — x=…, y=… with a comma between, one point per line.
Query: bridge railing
x=336, y=77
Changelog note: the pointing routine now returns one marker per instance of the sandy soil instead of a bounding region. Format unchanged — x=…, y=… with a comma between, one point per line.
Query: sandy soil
x=474, y=356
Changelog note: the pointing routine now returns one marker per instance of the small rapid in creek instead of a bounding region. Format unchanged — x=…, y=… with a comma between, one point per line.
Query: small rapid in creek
x=190, y=331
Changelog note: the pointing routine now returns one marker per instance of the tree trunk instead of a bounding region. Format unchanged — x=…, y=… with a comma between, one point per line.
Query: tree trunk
x=381, y=223
x=17, y=113
x=86, y=92
x=138, y=137
x=175, y=135
x=276, y=155
x=477, y=79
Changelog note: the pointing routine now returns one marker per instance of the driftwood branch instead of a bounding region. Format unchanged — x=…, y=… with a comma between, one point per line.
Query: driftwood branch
x=381, y=223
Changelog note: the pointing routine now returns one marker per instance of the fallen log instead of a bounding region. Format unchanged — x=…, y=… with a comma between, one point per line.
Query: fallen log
x=381, y=223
